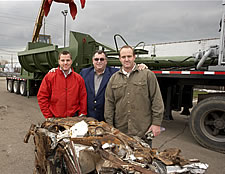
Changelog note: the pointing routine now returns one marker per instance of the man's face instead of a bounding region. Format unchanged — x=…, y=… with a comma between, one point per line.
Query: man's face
x=65, y=62
x=127, y=58
x=99, y=62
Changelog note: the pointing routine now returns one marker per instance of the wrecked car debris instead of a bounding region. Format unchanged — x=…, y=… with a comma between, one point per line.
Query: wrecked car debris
x=84, y=145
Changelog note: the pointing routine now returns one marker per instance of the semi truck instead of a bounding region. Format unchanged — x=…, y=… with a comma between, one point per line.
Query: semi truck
x=177, y=77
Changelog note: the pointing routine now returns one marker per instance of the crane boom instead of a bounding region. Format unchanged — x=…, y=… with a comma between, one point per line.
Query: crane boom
x=38, y=23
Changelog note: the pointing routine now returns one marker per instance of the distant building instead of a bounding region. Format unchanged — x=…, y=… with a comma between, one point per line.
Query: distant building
x=1, y=68
x=15, y=67
x=3, y=62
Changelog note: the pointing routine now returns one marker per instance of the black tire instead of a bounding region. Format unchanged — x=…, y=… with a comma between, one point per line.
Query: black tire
x=207, y=123
x=16, y=87
x=10, y=86
x=23, y=88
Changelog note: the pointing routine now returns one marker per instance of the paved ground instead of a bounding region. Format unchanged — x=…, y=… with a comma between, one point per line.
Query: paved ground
x=17, y=113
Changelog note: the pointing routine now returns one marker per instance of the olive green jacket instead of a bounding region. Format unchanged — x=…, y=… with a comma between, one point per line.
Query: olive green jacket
x=133, y=104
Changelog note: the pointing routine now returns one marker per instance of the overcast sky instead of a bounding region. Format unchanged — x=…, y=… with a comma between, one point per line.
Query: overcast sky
x=136, y=20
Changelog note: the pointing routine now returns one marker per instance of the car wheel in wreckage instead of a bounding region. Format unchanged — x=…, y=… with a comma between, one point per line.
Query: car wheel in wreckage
x=159, y=167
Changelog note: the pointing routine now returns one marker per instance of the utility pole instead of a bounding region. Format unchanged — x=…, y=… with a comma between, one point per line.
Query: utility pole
x=45, y=40
x=64, y=12
x=222, y=33
x=12, y=63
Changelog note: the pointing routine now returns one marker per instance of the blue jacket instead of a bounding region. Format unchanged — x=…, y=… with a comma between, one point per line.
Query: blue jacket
x=95, y=104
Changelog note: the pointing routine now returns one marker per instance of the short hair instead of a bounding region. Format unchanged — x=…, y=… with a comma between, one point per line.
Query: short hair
x=127, y=46
x=65, y=53
x=99, y=52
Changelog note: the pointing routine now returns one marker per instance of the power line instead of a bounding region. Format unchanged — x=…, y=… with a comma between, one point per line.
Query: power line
x=28, y=24
x=10, y=23
x=10, y=14
x=13, y=17
x=9, y=51
x=50, y=28
x=26, y=19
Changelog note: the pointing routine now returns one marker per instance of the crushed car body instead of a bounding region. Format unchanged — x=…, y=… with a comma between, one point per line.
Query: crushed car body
x=84, y=145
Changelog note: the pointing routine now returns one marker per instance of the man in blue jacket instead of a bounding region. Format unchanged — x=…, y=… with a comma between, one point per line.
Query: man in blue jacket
x=96, y=79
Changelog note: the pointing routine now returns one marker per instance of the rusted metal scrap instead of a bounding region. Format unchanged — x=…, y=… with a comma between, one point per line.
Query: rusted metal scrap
x=84, y=145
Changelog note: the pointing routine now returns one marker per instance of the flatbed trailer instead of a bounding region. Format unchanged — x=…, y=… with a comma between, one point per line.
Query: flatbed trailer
x=207, y=118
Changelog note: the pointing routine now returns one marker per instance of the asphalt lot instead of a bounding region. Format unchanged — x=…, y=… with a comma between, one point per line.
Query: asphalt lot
x=17, y=113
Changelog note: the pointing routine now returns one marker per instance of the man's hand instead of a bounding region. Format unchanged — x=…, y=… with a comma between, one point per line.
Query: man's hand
x=52, y=70
x=155, y=130
x=50, y=119
x=142, y=66
x=81, y=115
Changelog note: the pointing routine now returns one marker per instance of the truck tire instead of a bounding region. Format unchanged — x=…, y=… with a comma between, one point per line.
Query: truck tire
x=23, y=88
x=16, y=87
x=207, y=123
x=10, y=86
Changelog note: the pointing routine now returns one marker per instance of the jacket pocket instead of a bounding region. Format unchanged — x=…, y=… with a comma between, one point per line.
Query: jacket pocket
x=118, y=90
x=140, y=87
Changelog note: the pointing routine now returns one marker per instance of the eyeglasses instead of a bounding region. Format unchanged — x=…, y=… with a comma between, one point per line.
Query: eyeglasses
x=97, y=59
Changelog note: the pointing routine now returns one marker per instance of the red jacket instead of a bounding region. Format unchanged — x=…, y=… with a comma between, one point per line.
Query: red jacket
x=62, y=97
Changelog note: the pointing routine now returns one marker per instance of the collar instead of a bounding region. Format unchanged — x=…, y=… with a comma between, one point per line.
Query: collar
x=101, y=73
x=128, y=73
x=70, y=71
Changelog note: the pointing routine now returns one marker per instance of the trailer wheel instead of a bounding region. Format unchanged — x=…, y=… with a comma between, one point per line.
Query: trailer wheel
x=10, y=85
x=207, y=123
x=23, y=88
x=16, y=87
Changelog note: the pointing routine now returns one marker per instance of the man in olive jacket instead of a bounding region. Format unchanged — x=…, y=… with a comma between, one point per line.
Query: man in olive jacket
x=133, y=101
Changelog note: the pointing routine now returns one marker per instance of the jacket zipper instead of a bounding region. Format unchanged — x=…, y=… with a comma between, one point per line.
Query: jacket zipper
x=66, y=97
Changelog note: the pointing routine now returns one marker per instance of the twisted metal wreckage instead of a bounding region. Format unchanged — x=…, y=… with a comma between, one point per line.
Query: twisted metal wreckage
x=84, y=145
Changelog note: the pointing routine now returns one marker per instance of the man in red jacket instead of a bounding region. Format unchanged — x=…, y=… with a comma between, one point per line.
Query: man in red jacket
x=63, y=93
